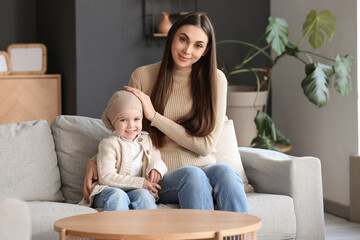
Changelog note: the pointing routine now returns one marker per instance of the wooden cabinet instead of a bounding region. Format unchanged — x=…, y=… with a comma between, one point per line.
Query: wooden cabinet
x=29, y=97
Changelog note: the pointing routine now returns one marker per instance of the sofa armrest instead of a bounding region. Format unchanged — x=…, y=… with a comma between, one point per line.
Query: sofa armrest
x=298, y=177
x=15, y=219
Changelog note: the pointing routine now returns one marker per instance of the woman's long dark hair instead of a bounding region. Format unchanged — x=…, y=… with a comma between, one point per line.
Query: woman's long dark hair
x=201, y=119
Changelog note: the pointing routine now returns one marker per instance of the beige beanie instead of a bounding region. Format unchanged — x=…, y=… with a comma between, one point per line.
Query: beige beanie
x=118, y=102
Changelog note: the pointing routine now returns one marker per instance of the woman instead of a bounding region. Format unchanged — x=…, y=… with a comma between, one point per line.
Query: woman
x=185, y=115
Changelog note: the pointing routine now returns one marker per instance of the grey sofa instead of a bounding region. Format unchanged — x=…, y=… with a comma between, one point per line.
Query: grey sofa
x=45, y=168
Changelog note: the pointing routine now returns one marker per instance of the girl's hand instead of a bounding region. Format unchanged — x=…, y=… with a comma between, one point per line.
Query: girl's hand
x=91, y=174
x=148, y=108
x=152, y=187
x=154, y=176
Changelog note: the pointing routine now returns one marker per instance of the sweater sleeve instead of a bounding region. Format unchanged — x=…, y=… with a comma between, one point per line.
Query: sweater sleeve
x=156, y=162
x=200, y=145
x=106, y=162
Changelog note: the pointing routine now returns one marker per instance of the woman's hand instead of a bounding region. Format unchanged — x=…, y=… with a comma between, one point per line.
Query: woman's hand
x=154, y=176
x=152, y=187
x=148, y=108
x=91, y=174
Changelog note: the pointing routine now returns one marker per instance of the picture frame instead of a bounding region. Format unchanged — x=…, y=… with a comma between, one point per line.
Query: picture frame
x=5, y=68
x=28, y=58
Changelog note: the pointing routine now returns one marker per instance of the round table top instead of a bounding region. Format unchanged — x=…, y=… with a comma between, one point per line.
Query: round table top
x=158, y=224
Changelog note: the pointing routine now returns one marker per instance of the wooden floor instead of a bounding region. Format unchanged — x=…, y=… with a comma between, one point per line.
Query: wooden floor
x=337, y=228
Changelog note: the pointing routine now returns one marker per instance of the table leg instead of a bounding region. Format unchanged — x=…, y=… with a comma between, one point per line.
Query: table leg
x=63, y=234
x=218, y=236
x=253, y=235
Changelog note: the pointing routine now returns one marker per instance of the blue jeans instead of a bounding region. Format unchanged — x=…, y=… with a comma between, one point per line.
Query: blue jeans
x=202, y=188
x=114, y=199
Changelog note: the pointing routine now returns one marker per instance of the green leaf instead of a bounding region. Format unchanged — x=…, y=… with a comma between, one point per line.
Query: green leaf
x=281, y=139
x=265, y=125
x=268, y=136
x=292, y=50
x=316, y=83
x=343, y=74
x=316, y=25
x=277, y=34
x=264, y=143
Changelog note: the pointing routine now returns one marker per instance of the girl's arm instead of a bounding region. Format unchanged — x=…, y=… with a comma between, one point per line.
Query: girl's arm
x=156, y=163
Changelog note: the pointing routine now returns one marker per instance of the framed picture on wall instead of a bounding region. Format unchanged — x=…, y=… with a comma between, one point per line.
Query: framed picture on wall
x=4, y=63
x=27, y=58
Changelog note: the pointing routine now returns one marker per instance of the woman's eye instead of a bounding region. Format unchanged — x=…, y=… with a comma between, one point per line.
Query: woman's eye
x=182, y=39
x=199, y=46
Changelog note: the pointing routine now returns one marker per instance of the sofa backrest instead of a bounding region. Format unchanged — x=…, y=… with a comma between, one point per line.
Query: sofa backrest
x=28, y=164
x=77, y=138
x=76, y=141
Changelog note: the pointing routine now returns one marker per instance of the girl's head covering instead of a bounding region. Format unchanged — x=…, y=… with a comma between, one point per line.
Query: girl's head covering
x=118, y=102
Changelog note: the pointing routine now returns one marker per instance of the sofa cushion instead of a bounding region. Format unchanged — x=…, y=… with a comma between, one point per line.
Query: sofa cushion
x=227, y=152
x=45, y=214
x=76, y=141
x=29, y=169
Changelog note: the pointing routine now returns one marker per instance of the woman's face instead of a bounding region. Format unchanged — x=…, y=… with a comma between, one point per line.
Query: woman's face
x=188, y=46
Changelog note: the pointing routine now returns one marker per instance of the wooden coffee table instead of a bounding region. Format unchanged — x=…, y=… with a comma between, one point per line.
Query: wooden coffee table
x=159, y=224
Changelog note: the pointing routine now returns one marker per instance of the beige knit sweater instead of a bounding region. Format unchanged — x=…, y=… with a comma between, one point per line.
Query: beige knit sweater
x=180, y=148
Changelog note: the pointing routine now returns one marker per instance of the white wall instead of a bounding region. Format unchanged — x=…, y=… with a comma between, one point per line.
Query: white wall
x=329, y=133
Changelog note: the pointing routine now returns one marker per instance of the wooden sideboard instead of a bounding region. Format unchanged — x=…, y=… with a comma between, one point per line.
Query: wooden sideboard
x=29, y=97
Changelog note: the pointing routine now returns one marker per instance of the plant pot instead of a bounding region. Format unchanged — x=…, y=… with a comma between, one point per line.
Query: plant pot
x=241, y=109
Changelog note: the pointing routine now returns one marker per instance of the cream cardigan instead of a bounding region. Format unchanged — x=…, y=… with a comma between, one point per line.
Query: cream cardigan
x=114, y=163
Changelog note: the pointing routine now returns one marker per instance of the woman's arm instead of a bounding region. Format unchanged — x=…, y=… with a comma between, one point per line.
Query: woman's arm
x=175, y=131
x=90, y=175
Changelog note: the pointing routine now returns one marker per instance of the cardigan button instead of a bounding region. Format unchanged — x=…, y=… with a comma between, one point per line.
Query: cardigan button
x=147, y=152
x=140, y=140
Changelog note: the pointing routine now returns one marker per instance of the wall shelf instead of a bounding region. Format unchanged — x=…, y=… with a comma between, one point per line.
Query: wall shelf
x=153, y=14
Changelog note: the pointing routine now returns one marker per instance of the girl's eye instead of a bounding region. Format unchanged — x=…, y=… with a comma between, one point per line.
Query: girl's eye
x=137, y=119
x=122, y=120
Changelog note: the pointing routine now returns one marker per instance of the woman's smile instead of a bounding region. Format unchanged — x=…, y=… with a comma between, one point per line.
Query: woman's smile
x=182, y=58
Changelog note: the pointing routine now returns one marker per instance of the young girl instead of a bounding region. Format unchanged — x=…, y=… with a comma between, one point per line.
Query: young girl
x=129, y=166
x=186, y=113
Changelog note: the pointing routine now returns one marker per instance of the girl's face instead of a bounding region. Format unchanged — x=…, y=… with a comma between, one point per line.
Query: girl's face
x=129, y=123
x=188, y=46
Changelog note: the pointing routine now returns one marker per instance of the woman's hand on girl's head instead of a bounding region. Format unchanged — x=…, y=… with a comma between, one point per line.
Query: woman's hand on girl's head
x=148, y=108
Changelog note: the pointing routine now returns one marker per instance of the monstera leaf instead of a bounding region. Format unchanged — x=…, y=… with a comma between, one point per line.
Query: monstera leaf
x=316, y=83
x=342, y=74
x=316, y=25
x=277, y=34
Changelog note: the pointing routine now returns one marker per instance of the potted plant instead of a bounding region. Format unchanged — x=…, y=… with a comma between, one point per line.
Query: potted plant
x=318, y=75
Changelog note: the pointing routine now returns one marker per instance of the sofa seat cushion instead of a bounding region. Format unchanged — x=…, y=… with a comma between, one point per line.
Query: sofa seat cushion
x=45, y=214
x=29, y=168
x=277, y=215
